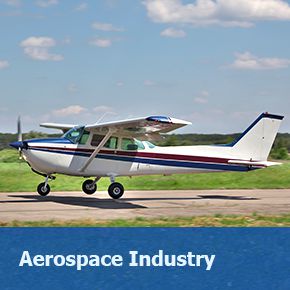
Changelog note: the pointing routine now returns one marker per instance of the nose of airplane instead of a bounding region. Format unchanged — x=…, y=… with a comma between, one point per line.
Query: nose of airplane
x=18, y=145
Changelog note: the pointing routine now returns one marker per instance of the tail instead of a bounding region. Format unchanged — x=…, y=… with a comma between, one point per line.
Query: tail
x=256, y=142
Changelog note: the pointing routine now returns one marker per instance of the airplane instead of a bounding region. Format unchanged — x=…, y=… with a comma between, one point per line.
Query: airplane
x=125, y=148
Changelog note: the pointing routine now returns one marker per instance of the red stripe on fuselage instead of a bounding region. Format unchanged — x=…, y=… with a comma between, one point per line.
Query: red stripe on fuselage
x=153, y=155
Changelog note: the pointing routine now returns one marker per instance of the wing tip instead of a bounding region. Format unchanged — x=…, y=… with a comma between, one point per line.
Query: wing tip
x=165, y=119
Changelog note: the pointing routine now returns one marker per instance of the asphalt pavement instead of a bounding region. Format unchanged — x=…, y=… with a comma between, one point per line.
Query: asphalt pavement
x=29, y=206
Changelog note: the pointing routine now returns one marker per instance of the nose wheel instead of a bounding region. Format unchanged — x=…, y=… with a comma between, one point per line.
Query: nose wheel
x=43, y=189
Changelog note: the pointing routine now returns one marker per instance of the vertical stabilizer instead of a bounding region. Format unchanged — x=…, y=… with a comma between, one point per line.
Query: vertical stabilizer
x=256, y=142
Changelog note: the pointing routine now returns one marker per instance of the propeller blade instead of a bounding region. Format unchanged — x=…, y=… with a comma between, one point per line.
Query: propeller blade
x=19, y=145
x=19, y=132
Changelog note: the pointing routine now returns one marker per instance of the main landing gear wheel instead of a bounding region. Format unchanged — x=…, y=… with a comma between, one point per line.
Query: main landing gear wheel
x=116, y=190
x=89, y=187
x=42, y=189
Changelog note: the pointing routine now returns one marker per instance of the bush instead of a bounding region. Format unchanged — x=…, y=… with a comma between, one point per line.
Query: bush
x=280, y=153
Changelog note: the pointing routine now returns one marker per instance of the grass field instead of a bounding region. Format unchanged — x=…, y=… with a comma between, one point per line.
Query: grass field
x=253, y=220
x=16, y=177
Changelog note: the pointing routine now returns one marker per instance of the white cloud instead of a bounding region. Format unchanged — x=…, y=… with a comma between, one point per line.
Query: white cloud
x=81, y=7
x=248, y=61
x=38, y=48
x=242, y=13
x=171, y=32
x=70, y=110
x=101, y=42
x=38, y=42
x=105, y=27
x=46, y=3
x=3, y=64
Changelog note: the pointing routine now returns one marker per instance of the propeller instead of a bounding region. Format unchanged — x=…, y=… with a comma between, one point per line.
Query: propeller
x=20, y=144
x=19, y=133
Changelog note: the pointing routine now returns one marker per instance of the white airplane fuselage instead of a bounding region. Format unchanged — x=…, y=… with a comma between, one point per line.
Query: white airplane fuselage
x=61, y=156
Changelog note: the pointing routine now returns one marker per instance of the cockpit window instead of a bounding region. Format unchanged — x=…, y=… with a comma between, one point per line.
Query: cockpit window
x=84, y=137
x=149, y=144
x=139, y=144
x=74, y=134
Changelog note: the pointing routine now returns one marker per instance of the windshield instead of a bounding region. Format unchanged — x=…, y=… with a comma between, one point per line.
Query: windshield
x=74, y=134
x=149, y=144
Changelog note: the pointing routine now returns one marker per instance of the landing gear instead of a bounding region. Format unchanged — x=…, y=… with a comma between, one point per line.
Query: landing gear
x=89, y=186
x=116, y=190
x=43, y=188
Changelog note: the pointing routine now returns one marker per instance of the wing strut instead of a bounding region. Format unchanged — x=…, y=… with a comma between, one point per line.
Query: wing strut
x=97, y=150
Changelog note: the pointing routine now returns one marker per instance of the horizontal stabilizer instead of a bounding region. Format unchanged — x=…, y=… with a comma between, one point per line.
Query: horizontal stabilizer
x=254, y=163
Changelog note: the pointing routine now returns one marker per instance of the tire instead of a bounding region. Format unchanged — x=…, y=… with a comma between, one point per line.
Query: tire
x=42, y=190
x=88, y=188
x=116, y=190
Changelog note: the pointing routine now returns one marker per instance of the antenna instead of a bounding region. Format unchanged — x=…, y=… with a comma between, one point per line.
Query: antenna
x=102, y=117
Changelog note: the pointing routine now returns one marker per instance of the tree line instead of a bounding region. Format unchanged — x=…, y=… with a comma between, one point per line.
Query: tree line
x=279, y=151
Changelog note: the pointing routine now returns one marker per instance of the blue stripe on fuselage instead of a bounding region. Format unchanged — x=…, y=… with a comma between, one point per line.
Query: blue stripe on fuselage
x=162, y=162
x=50, y=140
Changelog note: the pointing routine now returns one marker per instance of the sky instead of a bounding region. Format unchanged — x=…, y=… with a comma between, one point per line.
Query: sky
x=215, y=63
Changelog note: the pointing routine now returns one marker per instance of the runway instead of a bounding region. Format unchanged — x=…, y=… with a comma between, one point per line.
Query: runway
x=28, y=206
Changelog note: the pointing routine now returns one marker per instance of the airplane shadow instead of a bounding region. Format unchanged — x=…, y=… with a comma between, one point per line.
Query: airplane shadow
x=198, y=197
x=159, y=198
x=124, y=203
x=227, y=197
x=90, y=202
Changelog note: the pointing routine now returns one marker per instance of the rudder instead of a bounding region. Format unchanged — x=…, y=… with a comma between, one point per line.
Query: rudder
x=257, y=140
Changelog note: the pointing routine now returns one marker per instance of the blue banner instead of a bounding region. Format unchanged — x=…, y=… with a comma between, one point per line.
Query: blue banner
x=145, y=258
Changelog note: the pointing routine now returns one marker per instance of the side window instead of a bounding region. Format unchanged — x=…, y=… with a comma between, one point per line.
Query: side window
x=96, y=140
x=84, y=138
x=128, y=144
x=131, y=144
x=111, y=143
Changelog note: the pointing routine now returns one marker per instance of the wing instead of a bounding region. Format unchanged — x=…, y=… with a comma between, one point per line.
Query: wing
x=63, y=127
x=148, y=126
